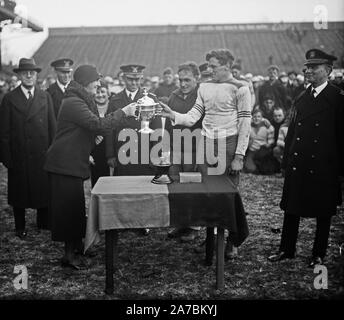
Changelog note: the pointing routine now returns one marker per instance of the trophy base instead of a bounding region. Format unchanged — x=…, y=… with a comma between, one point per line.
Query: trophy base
x=162, y=176
x=146, y=130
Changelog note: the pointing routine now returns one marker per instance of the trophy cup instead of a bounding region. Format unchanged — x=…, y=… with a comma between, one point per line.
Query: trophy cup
x=146, y=111
x=164, y=164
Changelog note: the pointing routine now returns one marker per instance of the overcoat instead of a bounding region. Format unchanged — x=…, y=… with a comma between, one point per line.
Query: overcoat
x=314, y=154
x=27, y=129
x=57, y=96
x=113, y=147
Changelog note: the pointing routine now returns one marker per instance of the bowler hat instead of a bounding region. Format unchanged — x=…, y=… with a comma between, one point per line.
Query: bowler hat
x=26, y=64
x=316, y=56
x=86, y=74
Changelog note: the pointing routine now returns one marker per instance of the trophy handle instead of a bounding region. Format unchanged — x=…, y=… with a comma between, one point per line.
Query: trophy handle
x=139, y=112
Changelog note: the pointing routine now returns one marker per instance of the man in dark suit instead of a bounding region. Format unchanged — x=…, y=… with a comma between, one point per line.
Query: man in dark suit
x=132, y=76
x=273, y=87
x=63, y=70
x=313, y=159
x=27, y=128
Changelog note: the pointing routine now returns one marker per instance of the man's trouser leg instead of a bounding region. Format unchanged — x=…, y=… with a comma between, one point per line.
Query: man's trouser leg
x=19, y=218
x=321, y=237
x=289, y=234
x=42, y=219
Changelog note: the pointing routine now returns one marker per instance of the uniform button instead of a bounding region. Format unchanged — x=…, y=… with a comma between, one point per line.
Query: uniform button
x=135, y=140
x=311, y=171
x=298, y=139
x=315, y=141
x=295, y=153
x=294, y=168
x=299, y=124
x=135, y=129
x=313, y=156
x=317, y=124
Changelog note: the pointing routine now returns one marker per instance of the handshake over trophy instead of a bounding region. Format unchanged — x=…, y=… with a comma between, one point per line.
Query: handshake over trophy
x=147, y=110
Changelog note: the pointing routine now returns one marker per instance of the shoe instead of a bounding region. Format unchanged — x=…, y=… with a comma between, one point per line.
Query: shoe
x=70, y=264
x=142, y=232
x=201, y=247
x=89, y=253
x=231, y=252
x=280, y=256
x=315, y=261
x=177, y=233
x=190, y=235
x=21, y=234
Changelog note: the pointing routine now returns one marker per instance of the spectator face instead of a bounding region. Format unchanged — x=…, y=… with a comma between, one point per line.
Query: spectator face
x=64, y=77
x=236, y=73
x=132, y=83
x=217, y=70
x=187, y=80
x=273, y=74
x=102, y=96
x=316, y=74
x=168, y=79
x=269, y=104
x=28, y=78
x=292, y=77
x=92, y=87
x=147, y=84
x=257, y=118
x=278, y=115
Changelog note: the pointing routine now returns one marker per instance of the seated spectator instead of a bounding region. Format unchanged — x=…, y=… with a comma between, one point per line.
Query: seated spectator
x=258, y=157
x=267, y=108
x=280, y=127
x=154, y=83
x=279, y=116
x=167, y=86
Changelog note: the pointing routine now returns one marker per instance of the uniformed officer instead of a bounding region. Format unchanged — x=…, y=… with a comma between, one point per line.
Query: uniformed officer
x=132, y=76
x=63, y=69
x=313, y=159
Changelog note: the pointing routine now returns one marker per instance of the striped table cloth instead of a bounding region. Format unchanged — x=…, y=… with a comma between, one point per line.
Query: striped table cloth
x=134, y=202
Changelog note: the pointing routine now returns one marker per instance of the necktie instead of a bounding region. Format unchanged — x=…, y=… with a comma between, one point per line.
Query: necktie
x=313, y=93
x=131, y=97
x=30, y=95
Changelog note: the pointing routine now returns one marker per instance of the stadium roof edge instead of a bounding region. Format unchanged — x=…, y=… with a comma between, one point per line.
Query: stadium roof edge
x=281, y=26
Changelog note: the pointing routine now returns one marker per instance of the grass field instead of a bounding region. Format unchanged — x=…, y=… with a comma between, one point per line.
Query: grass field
x=153, y=267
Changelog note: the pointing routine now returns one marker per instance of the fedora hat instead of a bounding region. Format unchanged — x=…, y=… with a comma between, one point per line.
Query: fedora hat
x=27, y=64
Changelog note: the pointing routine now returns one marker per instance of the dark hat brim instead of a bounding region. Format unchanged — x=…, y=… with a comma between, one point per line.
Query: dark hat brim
x=318, y=61
x=16, y=70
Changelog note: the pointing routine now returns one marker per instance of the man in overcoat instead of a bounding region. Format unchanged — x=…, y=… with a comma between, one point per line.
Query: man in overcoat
x=27, y=127
x=63, y=69
x=313, y=159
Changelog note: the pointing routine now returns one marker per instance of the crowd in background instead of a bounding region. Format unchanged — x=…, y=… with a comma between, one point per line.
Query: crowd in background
x=272, y=98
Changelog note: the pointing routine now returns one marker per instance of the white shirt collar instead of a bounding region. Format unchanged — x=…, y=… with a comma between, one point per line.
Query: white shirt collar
x=320, y=88
x=133, y=94
x=26, y=91
x=62, y=87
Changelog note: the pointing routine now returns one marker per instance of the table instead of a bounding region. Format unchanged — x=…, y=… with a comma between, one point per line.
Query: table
x=134, y=202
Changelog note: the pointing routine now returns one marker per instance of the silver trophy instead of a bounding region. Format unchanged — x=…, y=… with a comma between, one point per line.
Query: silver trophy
x=146, y=111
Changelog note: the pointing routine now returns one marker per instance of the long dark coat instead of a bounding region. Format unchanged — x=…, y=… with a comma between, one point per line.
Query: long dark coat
x=314, y=154
x=114, y=145
x=26, y=131
x=57, y=96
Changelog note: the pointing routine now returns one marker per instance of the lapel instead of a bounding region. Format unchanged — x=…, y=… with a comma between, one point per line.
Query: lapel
x=308, y=106
x=19, y=100
x=36, y=104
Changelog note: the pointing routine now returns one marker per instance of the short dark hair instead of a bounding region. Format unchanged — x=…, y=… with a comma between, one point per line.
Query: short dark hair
x=168, y=71
x=279, y=108
x=190, y=66
x=223, y=55
x=236, y=66
x=292, y=72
